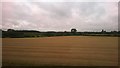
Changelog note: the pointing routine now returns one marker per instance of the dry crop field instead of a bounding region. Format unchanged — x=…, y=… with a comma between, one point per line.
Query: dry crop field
x=61, y=51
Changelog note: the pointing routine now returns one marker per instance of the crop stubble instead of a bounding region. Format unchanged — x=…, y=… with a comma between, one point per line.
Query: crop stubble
x=61, y=51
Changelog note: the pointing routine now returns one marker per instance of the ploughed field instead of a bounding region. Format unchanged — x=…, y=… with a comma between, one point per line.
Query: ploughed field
x=60, y=51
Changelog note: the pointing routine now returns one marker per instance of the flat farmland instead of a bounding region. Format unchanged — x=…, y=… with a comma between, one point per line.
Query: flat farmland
x=60, y=51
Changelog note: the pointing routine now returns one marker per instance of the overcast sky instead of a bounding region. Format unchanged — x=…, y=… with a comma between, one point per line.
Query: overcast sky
x=60, y=16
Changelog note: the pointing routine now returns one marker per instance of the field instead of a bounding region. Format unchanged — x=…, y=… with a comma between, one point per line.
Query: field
x=60, y=51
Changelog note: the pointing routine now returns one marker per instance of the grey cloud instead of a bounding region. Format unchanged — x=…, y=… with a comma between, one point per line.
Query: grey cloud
x=92, y=16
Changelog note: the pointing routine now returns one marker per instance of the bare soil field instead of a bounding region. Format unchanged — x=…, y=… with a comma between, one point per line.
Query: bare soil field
x=60, y=51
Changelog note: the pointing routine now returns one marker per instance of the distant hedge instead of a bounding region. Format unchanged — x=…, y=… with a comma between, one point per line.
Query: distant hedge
x=24, y=34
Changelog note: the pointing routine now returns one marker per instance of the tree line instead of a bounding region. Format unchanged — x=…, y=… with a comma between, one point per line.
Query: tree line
x=11, y=33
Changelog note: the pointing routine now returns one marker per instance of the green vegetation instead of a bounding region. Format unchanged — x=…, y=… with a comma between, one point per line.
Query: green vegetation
x=10, y=33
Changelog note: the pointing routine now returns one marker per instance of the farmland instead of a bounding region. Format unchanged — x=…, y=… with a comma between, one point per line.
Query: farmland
x=60, y=51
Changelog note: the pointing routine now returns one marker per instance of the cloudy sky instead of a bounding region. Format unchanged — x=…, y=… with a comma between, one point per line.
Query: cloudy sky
x=60, y=16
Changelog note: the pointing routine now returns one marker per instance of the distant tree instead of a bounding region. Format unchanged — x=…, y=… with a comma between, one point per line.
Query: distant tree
x=73, y=30
x=114, y=32
x=65, y=31
x=103, y=31
x=10, y=30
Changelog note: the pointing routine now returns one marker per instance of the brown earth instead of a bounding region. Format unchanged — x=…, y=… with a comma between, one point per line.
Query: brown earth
x=61, y=51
